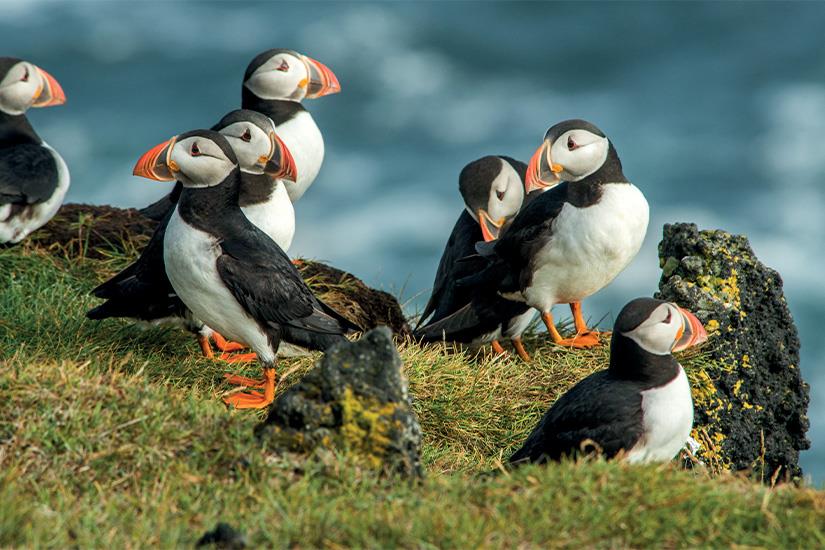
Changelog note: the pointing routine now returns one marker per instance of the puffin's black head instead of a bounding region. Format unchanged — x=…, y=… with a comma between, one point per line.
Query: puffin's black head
x=647, y=326
x=258, y=148
x=573, y=150
x=492, y=188
x=281, y=74
x=200, y=158
x=24, y=85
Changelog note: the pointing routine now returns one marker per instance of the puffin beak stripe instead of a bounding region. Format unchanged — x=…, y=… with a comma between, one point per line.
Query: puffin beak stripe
x=281, y=163
x=322, y=81
x=692, y=332
x=542, y=173
x=50, y=93
x=490, y=228
x=156, y=164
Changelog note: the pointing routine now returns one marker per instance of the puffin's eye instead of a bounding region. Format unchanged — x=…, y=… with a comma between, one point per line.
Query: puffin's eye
x=669, y=316
x=247, y=135
x=195, y=150
x=571, y=144
x=500, y=195
x=284, y=66
x=25, y=75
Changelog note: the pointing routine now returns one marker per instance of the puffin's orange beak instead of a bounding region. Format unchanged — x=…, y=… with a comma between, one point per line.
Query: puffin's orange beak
x=490, y=228
x=322, y=81
x=51, y=93
x=542, y=173
x=281, y=164
x=692, y=334
x=155, y=163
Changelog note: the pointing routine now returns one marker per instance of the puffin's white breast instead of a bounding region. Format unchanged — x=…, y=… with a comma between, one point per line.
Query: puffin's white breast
x=189, y=255
x=275, y=216
x=667, y=414
x=304, y=141
x=589, y=247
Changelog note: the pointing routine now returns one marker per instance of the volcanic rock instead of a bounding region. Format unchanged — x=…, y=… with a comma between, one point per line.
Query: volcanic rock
x=751, y=402
x=355, y=401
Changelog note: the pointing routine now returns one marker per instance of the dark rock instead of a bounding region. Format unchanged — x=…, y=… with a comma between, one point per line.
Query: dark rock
x=223, y=536
x=751, y=402
x=354, y=401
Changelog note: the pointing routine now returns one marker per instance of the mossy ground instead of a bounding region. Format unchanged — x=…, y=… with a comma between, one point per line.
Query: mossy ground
x=114, y=435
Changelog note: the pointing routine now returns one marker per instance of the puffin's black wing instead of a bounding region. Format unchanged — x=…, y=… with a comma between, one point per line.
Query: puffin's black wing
x=142, y=290
x=28, y=174
x=446, y=298
x=159, y=209
x=266, y=284
x=509, y=256
x=485, y=313
x=531, y=226
x=600, y=408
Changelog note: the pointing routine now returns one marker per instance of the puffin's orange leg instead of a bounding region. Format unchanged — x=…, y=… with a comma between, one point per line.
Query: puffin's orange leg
x=225, y=345
x=297, y=262
x=497, y=348
x=254, y=399
x=519, y=345
x=206, y=348
x=578, y=341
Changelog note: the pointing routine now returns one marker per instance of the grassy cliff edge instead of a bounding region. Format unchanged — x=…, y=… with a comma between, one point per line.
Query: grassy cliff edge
x=111, y=434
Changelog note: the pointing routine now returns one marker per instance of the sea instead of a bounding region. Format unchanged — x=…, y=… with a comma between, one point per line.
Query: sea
x=717, y=111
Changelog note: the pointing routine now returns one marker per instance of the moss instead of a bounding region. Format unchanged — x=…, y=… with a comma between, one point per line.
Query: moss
x=366, y=427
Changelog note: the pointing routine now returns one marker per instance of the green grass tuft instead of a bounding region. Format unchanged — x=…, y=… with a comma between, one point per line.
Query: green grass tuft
x=114, y=435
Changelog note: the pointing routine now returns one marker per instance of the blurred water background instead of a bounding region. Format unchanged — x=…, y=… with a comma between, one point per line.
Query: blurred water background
x=717, y=111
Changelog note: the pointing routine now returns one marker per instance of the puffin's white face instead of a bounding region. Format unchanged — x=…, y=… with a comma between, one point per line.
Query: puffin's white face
x=20, y=88
x=578, y=153
x=199, y=162
x=668, y=328
x=283, y=76
x=252, y=144
x=506, y=194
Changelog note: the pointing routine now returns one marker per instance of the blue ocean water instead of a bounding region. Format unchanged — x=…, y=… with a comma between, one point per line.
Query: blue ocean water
x=717, y=111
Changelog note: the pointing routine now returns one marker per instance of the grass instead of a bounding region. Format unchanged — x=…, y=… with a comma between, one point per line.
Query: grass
x=114, y=435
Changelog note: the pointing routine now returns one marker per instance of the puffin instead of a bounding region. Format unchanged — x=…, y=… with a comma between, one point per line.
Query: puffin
x=640, y=407
x=493, y=191
x=227, y=271
x=34, y=177
x=575, y=237
x=275, y=83
x=143, y=291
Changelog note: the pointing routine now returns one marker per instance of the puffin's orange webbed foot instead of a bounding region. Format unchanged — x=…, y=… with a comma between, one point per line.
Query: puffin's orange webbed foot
x=225, y=345
x=254, y=399
x=238, y=380
x=586, y=340
x=297, y=262
x=238, y=357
